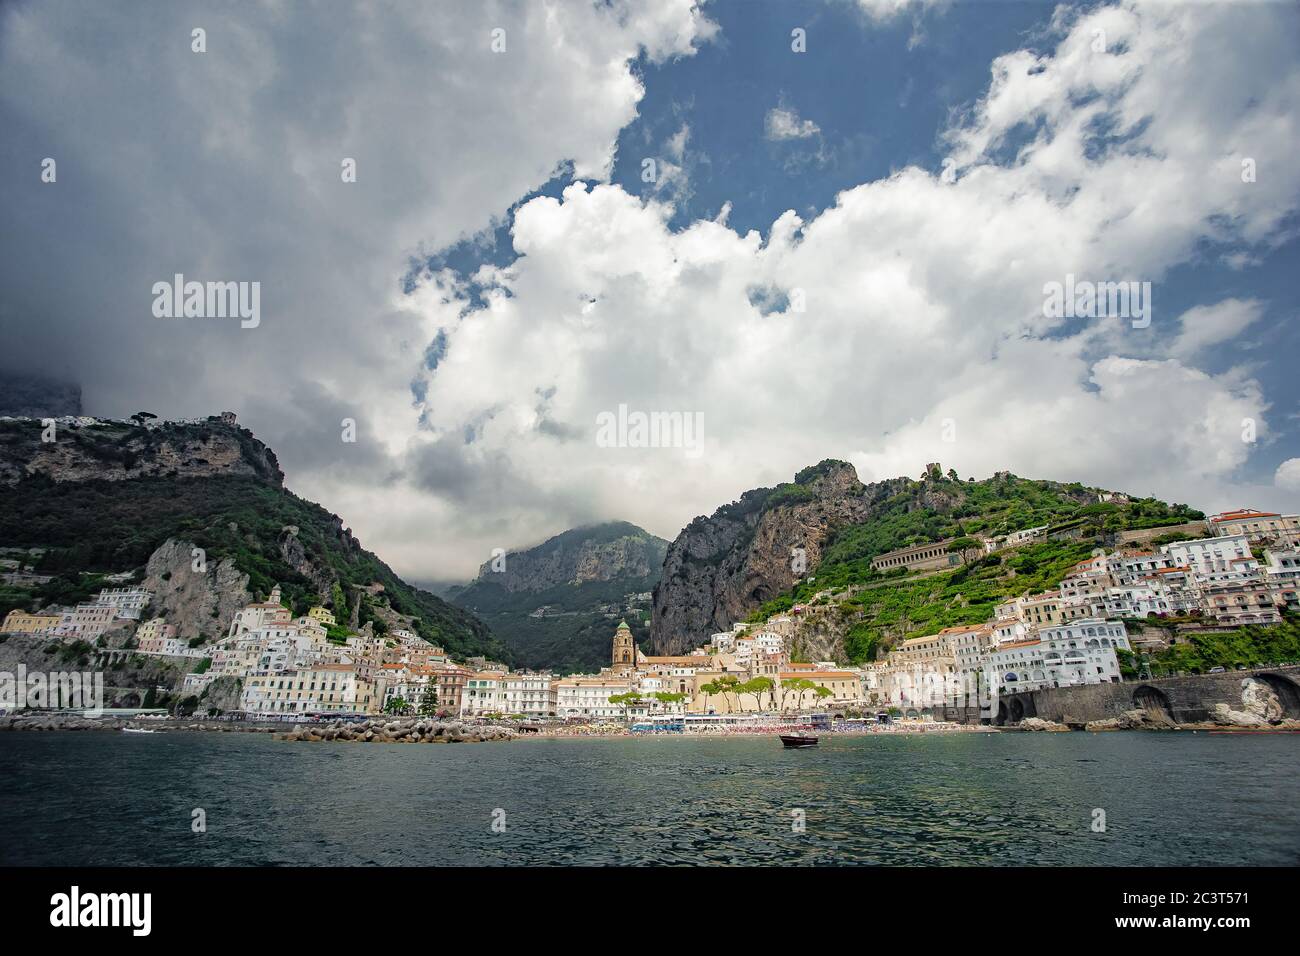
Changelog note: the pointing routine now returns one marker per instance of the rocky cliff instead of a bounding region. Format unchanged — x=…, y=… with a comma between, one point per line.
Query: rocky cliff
x=200, y=603
x=784, y=545
x=117, y=451
x=722, y=567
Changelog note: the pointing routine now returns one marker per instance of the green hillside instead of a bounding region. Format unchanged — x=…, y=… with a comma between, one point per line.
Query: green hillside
x=95, y=527
x=576, y=638
x=878, y=608
x=580, y=581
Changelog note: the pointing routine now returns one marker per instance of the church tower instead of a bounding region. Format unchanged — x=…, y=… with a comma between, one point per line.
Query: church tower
x=624, y=648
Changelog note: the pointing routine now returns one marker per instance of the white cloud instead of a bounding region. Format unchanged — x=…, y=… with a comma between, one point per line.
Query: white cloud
x=882, y=10
x=1206, y=326
x=226, y=165
x=924, y=302
x=923, y=298
x=784, y=123
x=1287, y=475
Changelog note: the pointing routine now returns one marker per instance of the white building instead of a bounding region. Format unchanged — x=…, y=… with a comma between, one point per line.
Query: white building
x=483, y=694
x=1259, y=526
x=86, y=622
x=589, y=697
x=256, y=616
x=1132, y=567
x=531, y=695
x=1065, y=655
x=1135, y=600
x=127, y=602
x=1209, y=555
x=327, y=688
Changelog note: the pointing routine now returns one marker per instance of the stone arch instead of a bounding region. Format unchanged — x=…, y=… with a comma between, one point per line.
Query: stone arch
x=1153, y=700
x=1287, y=691
x=1016, y=710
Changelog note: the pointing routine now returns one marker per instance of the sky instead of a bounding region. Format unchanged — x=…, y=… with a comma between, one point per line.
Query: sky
x=810, y=230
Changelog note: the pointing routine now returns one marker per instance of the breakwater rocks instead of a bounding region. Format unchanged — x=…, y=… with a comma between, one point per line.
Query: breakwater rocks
x=47, y=721
x=402, y=731
x=39, y=721
x=1224, y=718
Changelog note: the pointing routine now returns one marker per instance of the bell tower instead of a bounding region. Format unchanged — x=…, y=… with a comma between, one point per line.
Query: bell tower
x=624, y=648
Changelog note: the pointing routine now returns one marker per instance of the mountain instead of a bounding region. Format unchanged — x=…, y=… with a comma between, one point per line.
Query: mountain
x=30, y=395
x=739, y=562
x=557, y=605
x=114, y=497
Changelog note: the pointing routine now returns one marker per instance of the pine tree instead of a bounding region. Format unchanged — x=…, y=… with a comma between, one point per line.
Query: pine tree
x=429, y=702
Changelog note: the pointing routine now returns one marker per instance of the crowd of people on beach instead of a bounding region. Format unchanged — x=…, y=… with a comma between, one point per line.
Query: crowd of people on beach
x=839, y=728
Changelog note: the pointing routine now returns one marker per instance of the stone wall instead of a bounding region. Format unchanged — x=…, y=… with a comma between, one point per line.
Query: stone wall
x=1184, y=699
x=1141, y=537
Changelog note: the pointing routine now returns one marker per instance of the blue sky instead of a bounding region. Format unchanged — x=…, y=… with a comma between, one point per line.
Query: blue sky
x=880, y=94
x=878, y=100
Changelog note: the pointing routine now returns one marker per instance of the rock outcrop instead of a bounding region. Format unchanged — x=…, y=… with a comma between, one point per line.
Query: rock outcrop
x=1136, y=719
x=720, y=568
x=200, y=603
x=118, y=451
x=1037, y=723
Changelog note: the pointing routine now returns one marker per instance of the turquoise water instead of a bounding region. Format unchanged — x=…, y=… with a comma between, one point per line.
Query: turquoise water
x=1172, y=799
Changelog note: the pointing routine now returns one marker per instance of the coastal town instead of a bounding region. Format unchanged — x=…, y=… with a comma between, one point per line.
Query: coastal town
x=1242, y=571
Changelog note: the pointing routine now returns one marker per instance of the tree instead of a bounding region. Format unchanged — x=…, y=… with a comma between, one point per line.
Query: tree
x=626, y=701
x=744, y=688
x=800, y=685
x=668, y=698
x=141, y=417
x=710, y=689
x=429, y=702
x=758, y=687
x=967, y=547
x=730, y=684
x=397, y=706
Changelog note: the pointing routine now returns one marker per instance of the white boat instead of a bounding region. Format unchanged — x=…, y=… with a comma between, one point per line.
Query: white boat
x=137, y=730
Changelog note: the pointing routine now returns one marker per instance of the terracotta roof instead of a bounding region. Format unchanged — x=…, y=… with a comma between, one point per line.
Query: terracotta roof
x=1243, y=514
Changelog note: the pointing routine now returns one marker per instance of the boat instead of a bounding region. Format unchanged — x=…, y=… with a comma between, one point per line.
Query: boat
x=137, y=730
x=798, y=740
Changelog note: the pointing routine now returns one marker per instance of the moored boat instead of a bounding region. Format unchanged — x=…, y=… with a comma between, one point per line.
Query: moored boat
x=798, y=740
x=137, y=730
